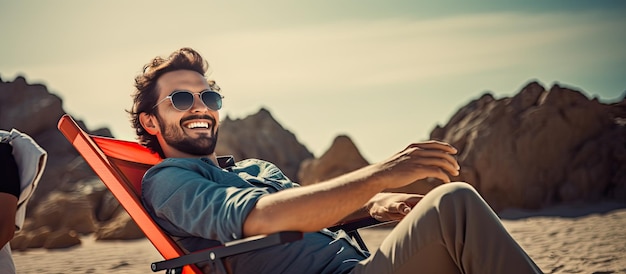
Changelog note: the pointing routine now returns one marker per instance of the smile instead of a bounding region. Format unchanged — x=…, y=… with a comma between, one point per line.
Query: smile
x=198, y=125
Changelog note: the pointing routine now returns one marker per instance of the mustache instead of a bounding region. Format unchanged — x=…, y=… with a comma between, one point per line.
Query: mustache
x=202, y=117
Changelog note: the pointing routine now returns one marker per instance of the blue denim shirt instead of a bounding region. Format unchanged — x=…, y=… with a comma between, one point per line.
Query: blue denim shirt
x=203, y=205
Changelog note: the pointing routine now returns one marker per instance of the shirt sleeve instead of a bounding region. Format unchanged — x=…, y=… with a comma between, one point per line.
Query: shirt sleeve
x=9, y=172
x=188, y=201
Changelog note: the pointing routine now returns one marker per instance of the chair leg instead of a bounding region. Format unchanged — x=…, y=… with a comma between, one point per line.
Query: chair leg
x=355, y=235
x=174, y=271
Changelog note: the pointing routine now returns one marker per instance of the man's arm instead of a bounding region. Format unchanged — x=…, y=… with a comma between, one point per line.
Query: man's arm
x=311, y=208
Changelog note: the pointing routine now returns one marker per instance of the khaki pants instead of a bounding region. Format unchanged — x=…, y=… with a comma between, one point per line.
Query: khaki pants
x=451, y=230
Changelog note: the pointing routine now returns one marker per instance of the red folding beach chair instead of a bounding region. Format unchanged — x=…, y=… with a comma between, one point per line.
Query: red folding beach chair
x=121, y=166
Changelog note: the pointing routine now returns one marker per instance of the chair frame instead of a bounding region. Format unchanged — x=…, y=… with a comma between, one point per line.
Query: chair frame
x=121, y=171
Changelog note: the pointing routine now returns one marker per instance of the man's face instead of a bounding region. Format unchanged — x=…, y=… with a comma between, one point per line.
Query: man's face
x=187, y=133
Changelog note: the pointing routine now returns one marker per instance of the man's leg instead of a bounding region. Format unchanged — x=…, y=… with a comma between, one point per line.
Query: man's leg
x=451, y=230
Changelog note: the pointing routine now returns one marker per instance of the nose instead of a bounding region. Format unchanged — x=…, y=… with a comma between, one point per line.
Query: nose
x=198, y=105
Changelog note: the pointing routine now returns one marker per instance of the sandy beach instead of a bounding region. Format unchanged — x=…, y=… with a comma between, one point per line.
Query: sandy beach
x=566, y=239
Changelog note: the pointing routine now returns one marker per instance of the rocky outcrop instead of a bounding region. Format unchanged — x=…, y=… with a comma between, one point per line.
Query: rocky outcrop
x=34, y=111
x=69, y=195
x=342, y=157
x=261, y=136
x=535, y=149
x=540, y=147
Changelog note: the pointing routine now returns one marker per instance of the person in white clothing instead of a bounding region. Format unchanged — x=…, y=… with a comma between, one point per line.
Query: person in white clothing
x=22, y=162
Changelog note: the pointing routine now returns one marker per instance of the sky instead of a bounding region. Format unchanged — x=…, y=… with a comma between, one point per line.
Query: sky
x=385, y=73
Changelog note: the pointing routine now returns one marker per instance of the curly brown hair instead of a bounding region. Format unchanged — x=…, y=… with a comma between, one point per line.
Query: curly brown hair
x=146, y=94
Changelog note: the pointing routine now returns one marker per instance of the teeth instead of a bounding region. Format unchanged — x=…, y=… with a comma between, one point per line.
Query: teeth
x=198, y=125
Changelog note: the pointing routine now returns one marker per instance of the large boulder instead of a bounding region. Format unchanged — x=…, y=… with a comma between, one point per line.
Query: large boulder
x=69, y=196
x=342, y=157
x=65, y=211
x=62, y=239
x=31, y=108
x=261, y=136
x=540, y=147
x=121, y=227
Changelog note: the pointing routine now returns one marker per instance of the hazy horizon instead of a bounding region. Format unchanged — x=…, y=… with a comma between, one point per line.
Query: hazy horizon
x=384, y=74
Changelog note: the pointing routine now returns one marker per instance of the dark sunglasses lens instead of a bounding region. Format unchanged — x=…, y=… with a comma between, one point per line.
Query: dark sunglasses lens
x=182, y=100
x=212, y=100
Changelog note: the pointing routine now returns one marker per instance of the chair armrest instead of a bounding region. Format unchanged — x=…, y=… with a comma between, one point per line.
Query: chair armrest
x=229, y=249
x=358, y=224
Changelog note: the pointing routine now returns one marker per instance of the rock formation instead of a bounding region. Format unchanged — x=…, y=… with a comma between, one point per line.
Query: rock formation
x=342, y=157
x=32, y=110
x=69, y=194
x=540, y=147
x=261, y=136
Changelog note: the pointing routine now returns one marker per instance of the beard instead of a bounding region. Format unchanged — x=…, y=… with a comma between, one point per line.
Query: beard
x=175, y=136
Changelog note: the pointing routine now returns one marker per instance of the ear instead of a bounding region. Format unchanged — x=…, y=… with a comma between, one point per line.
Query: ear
x=149, y=123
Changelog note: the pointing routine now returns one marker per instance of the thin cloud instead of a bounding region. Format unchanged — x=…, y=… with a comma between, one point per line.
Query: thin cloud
x=365, y=53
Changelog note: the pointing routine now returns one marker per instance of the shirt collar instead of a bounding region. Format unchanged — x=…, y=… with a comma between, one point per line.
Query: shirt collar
x=227, y=161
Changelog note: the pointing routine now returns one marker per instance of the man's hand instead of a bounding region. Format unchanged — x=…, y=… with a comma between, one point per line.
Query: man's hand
x=392, y=206
x=418, y=161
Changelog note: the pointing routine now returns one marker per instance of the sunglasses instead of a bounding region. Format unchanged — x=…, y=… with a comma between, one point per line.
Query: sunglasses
x=182, y=100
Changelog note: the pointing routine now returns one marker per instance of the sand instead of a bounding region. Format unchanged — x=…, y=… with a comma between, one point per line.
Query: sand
x=566, y=239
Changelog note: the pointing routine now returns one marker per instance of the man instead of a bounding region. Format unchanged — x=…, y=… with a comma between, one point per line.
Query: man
x=450, y=230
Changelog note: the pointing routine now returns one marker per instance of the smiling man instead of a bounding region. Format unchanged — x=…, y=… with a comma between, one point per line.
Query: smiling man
x=202, y=202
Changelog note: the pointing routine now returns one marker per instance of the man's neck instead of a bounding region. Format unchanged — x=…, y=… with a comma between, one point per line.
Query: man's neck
x=213, y=158
x=179, y=154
